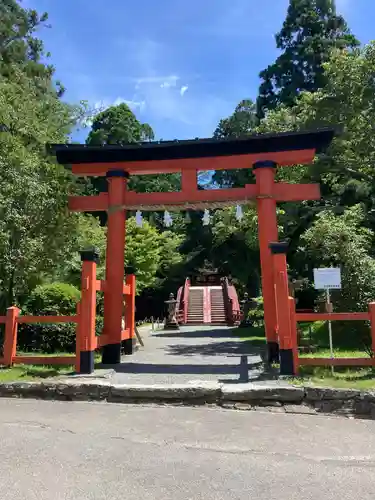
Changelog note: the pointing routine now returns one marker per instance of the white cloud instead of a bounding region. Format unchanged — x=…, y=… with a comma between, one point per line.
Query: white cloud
x=163, y=81
x=133, y=104
x=102, y=105
x=183, y=89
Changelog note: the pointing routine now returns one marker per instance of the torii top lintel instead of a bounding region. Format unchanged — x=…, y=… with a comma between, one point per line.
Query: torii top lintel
x=288, y=148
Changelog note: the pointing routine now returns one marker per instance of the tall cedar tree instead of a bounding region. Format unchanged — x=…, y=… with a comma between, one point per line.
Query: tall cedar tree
x=311, y=30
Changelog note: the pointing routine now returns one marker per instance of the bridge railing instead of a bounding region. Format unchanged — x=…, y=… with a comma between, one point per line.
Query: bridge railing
x=231, y=302
x=179, y=306
x=185, y=300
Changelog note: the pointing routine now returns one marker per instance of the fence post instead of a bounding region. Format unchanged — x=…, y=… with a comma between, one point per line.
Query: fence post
x=293, y=327
x=78, y=338
x=372, y=325
x=130, y=314
x=278, y=250
x=87, y=312
x=10, y=338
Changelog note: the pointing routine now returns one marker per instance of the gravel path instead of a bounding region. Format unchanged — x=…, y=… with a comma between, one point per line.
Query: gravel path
x=189, y=355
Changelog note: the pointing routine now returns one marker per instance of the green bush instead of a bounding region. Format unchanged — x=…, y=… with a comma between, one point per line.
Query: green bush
x=346, y=335
x=46, y=300
x=256, y=314
x=53, y=298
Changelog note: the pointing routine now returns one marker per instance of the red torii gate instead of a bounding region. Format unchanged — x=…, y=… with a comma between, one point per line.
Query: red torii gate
x=261, y=152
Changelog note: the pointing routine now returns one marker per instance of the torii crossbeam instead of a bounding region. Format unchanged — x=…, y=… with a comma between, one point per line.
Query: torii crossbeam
x=262, y=153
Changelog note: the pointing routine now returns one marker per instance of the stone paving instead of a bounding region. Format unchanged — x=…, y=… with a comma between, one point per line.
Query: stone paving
x=191, y=355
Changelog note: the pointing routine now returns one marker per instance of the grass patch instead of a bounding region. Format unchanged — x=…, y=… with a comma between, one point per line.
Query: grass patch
x=51, y=355
x=20, y=373
x=254, y=335
x=32, y=372
x=350, y=340
x=349, y=378
x=342, y=377
x=338, y=353
x=346, y=335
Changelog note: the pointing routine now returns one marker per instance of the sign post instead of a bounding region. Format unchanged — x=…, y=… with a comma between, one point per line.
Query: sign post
x=328, y=278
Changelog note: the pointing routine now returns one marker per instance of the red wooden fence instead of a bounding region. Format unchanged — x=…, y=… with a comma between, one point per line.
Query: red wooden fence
x=353, y=316
x=86, y=340
x=287, y=319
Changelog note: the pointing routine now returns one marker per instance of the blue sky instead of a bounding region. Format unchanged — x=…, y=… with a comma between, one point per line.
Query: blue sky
x=180, y=65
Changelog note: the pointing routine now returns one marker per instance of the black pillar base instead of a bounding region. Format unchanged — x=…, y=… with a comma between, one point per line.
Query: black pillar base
x=86, y=361
x=286, y=362
x=127, y=346
x=171, y=326
x=273, y=352
x=111, y=354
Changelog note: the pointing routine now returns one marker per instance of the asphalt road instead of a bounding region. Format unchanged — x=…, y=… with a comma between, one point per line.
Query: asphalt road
x=51, y=450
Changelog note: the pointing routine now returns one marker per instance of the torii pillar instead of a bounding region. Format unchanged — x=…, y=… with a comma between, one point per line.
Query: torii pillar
x=267, y=229
x=115, y=261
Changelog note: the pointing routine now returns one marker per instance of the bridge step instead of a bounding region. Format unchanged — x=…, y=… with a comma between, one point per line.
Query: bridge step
x=197, y=315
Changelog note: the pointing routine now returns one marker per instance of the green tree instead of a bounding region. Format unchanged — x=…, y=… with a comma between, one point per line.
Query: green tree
x=34, y=226
x=170, y=256
x=117, y=125
x=345, y=173
x=20, y=49
x=87, y=234
x=347, y=103
x=311, y=30
x=151, y=253
x=142, y=252
x=241, y=122
x=35, y=230
x=341, y=240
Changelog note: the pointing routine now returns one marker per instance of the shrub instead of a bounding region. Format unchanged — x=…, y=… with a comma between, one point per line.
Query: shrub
x=50, y=299
x=256, y=313
x=53, y=298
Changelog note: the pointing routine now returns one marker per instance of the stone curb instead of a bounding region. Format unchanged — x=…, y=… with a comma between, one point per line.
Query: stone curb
x=286, y=399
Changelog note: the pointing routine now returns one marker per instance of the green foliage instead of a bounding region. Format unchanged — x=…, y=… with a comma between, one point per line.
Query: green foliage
x=36, y=232
x=346, y=171
x=87, y=234
x=256, y=313
x=45, y=300
x=343, y=241
x=170, y=257
x=311, y=30
x=345, y=335
x=54, y=299
x=47, y=339
x=151, y=253
x=118, y=125
x=142, y=252
x=34, y=225
x=242, y=122
x=20, y=49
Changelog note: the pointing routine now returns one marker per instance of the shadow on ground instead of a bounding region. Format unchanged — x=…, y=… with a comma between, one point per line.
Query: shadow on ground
x=211, y=353
x=197, y=334
x=241, y=370
x=224, y=348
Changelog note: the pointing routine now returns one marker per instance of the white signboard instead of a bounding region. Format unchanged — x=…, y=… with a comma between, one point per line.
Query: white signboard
x=327, y=278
